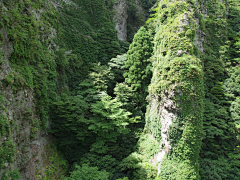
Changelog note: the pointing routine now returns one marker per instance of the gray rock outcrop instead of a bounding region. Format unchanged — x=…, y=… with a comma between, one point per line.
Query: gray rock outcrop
x=120, y=18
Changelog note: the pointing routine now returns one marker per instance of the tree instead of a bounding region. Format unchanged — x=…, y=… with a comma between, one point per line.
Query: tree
x=138, y=73
x=91, y=120
x=87, y=173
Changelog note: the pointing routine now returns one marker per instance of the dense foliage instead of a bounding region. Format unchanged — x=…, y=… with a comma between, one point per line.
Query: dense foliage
x=138, y=12
x=32, y=69
x=138, y=68
x=220, y=150
x=90, y=88
x=219, y=153
x=177, y=79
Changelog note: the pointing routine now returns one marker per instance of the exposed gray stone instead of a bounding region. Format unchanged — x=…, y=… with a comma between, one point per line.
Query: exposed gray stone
x=120, y=18
x=68, y=52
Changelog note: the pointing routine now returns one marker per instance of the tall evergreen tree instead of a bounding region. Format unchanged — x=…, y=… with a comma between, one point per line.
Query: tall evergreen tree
x=138, y=73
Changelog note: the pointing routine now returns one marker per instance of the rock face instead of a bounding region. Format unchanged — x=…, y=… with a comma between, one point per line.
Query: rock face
x=18, y=115
x=175, y=101
x=120, y=19
x=164, y=110
x=164, y=113
x=19, y=109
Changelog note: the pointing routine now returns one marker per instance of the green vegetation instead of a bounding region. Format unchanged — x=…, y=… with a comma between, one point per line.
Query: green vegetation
x=56, y=164
x=138, y=12
x=7, y=147
x=218, y=160
x=96, y=124
x=7, y=151
x=90, y=89
x=137, y=67
x=87, y=173
x=178, y=76
x=32, y=63
x=13, y=174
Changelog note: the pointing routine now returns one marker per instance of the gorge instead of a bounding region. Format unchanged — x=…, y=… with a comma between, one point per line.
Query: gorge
x=119, y=89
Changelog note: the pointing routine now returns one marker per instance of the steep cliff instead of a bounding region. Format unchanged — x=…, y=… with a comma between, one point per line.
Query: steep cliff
x=176, y=90
x=187, y=102
x=26, y=45
x=46, y=49
x=73, y=93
